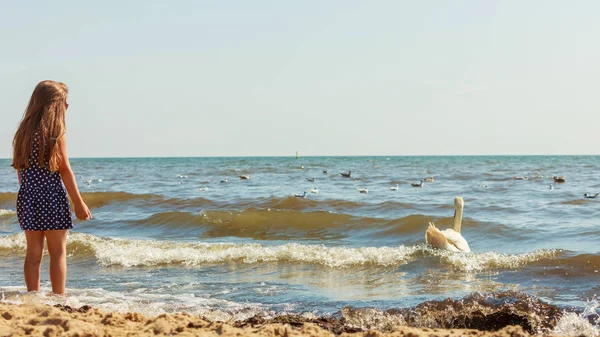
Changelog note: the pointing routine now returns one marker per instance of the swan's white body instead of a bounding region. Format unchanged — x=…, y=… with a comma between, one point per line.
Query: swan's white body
x=449, y=239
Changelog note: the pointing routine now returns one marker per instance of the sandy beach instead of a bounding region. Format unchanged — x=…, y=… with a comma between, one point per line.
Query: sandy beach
x=43, y=320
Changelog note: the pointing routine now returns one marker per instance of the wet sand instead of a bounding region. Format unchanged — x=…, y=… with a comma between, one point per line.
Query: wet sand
x=43, y=320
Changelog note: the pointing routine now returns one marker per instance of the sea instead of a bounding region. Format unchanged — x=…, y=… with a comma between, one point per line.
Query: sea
x=189, y=235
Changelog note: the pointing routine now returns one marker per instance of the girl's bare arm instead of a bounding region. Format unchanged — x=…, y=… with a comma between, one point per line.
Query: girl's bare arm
x=81, y=210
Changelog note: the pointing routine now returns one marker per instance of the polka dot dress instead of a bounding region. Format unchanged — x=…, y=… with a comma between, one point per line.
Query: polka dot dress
x=42, y=202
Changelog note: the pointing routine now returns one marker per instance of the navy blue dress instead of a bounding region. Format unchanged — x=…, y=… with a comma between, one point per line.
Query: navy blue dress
x=42, y=202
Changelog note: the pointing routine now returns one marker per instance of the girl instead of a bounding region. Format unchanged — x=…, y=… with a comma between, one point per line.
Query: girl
x=40, y=158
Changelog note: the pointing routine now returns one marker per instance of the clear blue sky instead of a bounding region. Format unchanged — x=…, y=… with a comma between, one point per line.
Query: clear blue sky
x=252, y=78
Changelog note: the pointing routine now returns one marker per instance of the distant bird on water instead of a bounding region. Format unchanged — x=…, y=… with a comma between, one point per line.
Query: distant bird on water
x=224, y=180
x=346, y=175
x=303, y=195
x=310, y=179
x=560, y=179
x=325, y=171
x=428, y=179
x=394, y=188
x=591, y=196
x=418, y=184
x=363, y=190
x=551, y=186
x=245, y=177
x=314, y=190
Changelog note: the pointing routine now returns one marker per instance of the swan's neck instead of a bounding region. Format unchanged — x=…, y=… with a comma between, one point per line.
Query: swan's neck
x=458, y=219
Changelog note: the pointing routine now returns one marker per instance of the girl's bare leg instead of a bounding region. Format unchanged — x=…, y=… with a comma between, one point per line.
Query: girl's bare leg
x=33, y=259
x=57, y=248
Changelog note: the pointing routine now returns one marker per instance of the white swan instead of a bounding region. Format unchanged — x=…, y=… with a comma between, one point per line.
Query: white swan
x=449, y=239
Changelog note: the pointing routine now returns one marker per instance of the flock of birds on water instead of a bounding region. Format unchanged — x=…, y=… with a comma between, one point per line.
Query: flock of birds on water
x=396, y=187
x=359, y=189
x=316, y=189
x=364, y=190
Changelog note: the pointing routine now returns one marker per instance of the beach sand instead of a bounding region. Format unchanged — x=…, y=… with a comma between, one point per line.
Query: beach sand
x=43, y=320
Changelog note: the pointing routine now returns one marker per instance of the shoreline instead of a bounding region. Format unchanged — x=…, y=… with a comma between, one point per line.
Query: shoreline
x=43, y=320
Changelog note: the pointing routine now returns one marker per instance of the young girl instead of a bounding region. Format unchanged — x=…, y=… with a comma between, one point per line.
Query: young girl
x=40, y=158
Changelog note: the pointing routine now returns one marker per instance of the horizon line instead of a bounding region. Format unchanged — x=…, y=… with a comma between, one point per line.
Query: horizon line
x=340, y=156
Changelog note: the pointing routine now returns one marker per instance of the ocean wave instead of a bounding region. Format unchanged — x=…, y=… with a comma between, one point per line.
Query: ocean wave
x=100, y=199
x=337, y=205
x=284, y=224
x=578, y=202
x=8, y=197
x=134, y=253
x=283, y=219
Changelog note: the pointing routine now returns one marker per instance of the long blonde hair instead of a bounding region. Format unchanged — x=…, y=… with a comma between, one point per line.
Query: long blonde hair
x=45, y=115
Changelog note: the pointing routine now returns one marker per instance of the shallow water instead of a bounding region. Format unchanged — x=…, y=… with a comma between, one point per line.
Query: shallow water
x=168, y=236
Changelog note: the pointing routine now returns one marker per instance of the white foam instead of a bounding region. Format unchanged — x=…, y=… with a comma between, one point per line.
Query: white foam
x=145, y=302
x=493, y=260
x=133, y=253
x=572, y=324
x=129, y=253
x=15, y=241
x=7, y=212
